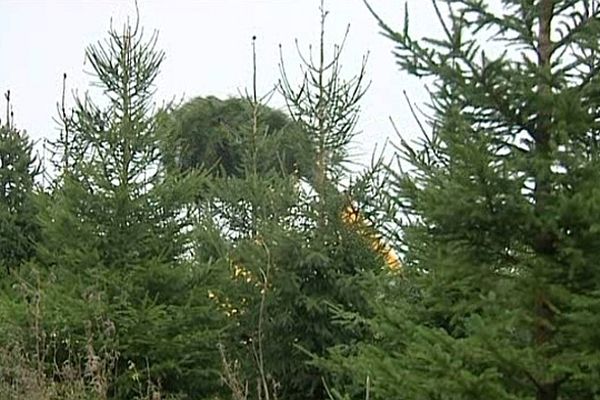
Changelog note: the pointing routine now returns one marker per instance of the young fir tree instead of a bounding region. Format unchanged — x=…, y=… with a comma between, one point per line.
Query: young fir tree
x=290, y=254
x=324, y=259
x=246, y=216
x=117, y=236
x=18, y=221
x=501, y=292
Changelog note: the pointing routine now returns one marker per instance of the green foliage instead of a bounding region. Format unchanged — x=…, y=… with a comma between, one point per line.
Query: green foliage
x=117, y=237
x=205, y=134
x=326, y=106
x=294, y=260
x=175, y=241
x=498, y=212
x=18, y=226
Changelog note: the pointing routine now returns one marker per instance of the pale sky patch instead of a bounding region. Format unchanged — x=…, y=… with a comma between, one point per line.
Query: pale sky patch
x=208, y=52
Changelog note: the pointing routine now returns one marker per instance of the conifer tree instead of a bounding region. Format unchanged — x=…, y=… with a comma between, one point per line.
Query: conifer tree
x=290, y=254
x=201, y=137
x=501, y=289
x=246, y=220
x=18, y=224
x=320, y=258
x=117, y=235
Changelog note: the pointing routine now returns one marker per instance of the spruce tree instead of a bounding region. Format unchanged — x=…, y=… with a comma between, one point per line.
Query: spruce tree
x=246, y=221
x=500, y=292
x=291, y=256
x=117, y=236
x=18, y=169
x=320, y=259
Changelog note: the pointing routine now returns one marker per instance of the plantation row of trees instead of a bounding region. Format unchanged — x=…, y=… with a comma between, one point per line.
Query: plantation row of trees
x=221, y=249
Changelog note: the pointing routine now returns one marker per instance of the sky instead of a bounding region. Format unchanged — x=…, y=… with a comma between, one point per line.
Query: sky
x=208, y=52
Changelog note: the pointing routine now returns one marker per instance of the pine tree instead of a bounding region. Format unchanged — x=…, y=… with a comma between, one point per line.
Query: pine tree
x=18, y=169
x=501, y=291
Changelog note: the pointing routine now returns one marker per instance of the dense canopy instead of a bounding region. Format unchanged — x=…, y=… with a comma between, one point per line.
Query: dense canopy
x=221, y=249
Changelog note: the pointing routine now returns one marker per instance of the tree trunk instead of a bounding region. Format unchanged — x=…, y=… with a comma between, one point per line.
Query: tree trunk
x=544, y=241
x=548, y=391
